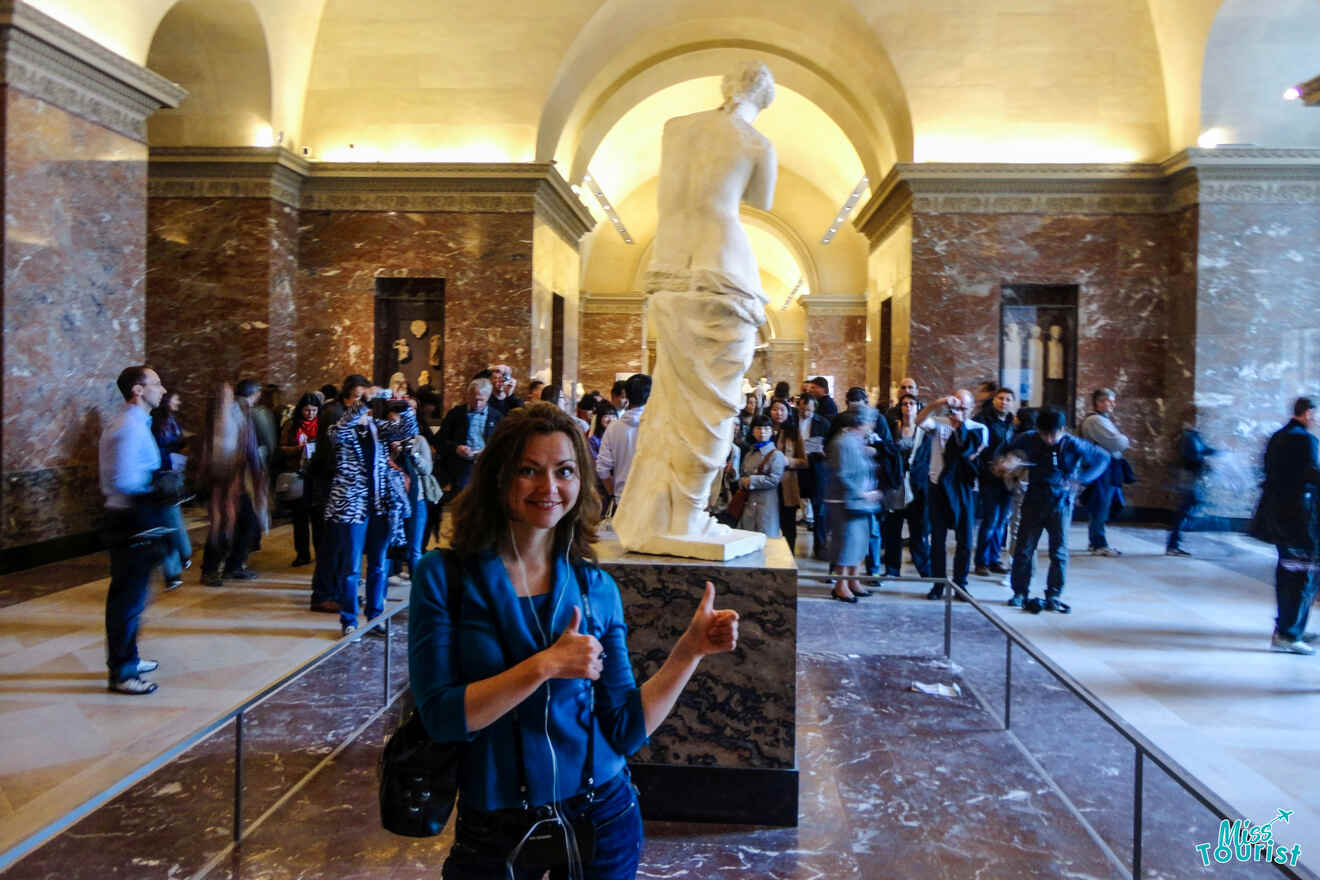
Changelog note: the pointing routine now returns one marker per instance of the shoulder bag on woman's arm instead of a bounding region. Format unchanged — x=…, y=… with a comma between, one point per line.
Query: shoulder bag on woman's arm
x=739, y=500
x=419, y=776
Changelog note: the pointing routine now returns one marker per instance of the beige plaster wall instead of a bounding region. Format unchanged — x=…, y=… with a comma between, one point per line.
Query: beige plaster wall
x=556, y=268
x=890, y=266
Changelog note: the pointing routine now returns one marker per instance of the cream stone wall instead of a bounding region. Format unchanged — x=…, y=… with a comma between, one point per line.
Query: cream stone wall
x=890, y=267
x=556, y=268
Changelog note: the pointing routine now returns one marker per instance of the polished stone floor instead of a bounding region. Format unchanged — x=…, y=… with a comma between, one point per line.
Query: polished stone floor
x=894, y=783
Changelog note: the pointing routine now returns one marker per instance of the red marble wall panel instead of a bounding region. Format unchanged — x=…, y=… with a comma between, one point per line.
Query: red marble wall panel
x=212, y=314
x=786, y=365
x=1257, y=335
x=610, y=344
x=836, y=346
x=74, y=261
x=485, y=259
x=1121, y=265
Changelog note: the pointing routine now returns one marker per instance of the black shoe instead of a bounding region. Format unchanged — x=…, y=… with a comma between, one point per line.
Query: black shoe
x=981, y=571
x=135, y=686
x=300, y=561
x=328, y=606
x=860, y=592
x=1033, y=606
x=936, y=592
x=960, y=597
x=241, y=574
x=211, y=579
x=1053, y=604
x=1017, y=601
x=187, y=564
x=851, y=600
x=996, y=568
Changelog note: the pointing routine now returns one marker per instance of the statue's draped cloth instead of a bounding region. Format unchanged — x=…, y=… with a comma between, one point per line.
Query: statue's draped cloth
x=705, y=323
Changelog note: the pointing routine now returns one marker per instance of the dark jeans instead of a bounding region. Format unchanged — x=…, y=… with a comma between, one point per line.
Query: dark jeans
x=1294, y=590
x=1098, y=509
x=179, y=547
x=351, y=540
x=483, y=841
x=415, y=528
x=1187, y=501
x=918, y=528
x=961, y=527
x=1053, y=519
x=323, y=574
x=996, y=508
x=788, y=525
x=871, y=562
x=307, y=526
x=232, y=549
x=126, y=599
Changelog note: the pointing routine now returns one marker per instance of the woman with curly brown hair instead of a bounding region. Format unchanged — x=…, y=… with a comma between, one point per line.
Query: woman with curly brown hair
x=529, y=663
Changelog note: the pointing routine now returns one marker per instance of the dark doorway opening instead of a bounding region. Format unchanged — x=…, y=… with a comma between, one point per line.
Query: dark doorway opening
x=410, y=331
x=557, y=341
x=886, y=358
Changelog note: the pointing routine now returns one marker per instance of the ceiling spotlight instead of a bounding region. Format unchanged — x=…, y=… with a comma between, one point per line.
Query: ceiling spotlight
x=1292, y=93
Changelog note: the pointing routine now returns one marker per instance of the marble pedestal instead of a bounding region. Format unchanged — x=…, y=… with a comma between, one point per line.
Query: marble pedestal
x=727, y=753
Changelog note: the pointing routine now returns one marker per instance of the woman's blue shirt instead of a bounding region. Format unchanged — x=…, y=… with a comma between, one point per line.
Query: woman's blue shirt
x=444, y=657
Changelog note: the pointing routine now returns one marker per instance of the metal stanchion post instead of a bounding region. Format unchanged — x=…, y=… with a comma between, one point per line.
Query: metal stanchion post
x=1136, y=815
x=238, y=778
x=1008, y=682
x=386, y=689
x=948, y=620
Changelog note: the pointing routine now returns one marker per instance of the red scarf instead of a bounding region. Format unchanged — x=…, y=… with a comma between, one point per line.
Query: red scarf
x=307, y=431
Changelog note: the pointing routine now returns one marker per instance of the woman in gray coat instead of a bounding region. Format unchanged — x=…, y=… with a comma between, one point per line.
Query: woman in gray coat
x=762, y=469
x=851, y=498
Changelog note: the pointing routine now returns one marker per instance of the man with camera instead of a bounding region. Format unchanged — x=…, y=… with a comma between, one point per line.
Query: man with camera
x=136, y=490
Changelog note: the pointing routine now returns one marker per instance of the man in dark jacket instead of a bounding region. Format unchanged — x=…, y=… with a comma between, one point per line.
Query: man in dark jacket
x=1058, y=462
x=1286, y=517
x=1190, y=466
x=994, y=501
x=463, y=434
x=956, y=441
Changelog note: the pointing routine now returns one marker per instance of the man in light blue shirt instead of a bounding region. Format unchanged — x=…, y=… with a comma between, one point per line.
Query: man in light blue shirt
x=129, y=459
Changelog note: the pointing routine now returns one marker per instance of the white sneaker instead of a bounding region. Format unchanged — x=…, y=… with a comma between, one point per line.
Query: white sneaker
x=1105, y=551
x=398, y=580
x=1283, y=646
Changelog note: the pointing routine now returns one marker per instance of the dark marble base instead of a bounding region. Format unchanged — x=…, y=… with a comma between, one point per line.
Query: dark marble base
x=69, y=547
x=48, y=503
x=733, y=795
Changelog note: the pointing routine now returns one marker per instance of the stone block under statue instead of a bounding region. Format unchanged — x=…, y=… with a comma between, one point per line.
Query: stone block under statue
x=728, y=751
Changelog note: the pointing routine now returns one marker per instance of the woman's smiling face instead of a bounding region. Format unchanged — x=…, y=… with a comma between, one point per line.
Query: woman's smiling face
x=545, y=483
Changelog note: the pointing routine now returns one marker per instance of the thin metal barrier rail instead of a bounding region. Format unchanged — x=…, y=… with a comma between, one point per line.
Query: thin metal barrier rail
x=1144, y=749
x=235, y=714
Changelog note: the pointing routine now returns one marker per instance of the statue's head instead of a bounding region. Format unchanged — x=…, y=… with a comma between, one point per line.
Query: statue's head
x=752, y=84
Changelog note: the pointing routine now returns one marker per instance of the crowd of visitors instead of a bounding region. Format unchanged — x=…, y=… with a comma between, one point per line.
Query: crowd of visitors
x=365, y=472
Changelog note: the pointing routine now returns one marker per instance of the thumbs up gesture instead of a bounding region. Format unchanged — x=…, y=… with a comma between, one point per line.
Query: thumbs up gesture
x=712, y=631
x=575, y=654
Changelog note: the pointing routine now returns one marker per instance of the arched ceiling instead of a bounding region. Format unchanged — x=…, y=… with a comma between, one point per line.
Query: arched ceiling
x=1049, y=80
x=1242, y=87
x=216, y=49
x=806, y=140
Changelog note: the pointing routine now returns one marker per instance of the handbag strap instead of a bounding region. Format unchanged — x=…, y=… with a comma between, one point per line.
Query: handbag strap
x=588, y=772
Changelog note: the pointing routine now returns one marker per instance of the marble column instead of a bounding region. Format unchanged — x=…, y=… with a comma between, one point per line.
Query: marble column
x=836, y=340
x=75, y=163
x=222, y=238
x=612, y=338
x=1255, y=340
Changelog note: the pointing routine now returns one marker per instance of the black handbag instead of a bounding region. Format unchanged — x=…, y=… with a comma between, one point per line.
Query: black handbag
x=418, y=780
x=419, y=776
